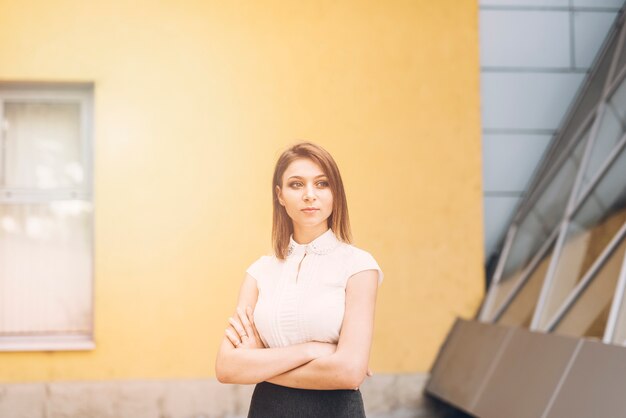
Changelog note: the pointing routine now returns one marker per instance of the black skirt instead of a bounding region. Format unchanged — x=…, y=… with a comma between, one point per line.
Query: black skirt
x=275, y=401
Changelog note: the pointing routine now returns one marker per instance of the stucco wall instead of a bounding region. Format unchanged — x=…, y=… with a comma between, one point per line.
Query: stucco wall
x=194, y=100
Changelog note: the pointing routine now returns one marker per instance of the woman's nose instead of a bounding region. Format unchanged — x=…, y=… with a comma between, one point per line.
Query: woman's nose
x=309, y=193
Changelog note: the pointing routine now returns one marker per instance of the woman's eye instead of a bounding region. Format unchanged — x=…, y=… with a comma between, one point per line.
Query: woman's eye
x=296, y=184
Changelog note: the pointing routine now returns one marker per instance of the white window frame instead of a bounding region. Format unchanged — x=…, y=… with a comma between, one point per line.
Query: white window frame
x=81, y=93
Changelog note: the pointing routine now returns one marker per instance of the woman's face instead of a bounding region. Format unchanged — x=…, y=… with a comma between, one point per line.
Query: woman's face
x=305, y=185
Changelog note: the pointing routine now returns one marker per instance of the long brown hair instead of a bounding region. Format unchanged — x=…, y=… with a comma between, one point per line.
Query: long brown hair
x=338, y=221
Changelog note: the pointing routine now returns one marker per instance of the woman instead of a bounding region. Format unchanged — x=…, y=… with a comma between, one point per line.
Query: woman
x=303, y=327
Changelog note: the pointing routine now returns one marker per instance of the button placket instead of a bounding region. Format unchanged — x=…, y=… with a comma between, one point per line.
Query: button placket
x=300, y=264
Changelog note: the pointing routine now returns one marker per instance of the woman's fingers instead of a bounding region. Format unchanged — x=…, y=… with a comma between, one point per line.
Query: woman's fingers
x=244, y=320
x=256, y=331
x=251, y=319
x=242, y=333
x=237, y=326
x=232, y=337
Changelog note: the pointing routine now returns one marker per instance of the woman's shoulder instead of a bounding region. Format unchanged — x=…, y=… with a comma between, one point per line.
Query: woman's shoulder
x=353, y=251
x=261, y=264
x=359, y=259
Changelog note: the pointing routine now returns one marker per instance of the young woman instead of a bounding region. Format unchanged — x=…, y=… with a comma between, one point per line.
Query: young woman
x=302, y=329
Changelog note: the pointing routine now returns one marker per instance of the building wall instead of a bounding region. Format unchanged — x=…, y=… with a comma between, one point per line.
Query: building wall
x=534, y=56
x=195, y=100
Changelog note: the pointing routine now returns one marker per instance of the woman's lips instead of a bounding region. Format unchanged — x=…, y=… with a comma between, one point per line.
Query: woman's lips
x=309, y=210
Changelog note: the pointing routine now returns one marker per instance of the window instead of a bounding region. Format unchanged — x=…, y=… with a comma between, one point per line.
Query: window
x=46, y=217
x=533, y=232
x=594, y=225
x=563, y=268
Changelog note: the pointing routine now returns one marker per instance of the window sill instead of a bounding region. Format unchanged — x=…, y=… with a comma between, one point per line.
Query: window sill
x=47, y=343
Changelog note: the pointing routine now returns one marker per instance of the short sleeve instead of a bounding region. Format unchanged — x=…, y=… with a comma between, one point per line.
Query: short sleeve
x=362, y=260
x=256, y=269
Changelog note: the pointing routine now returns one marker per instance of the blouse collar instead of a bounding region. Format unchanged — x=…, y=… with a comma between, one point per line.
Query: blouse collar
x=323, y=244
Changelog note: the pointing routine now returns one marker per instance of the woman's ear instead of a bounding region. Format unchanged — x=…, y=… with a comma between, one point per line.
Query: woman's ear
x=278, y=194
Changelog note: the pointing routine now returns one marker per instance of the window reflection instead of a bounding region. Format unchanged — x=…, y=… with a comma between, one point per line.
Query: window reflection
x=520, y=311
x=620, y=64
x=45, y=255
x=593, y=226
x=593, y=93
x=537, y=226
x=42, y=147
x=610, y=131
x=588, y=260
x=588, y=316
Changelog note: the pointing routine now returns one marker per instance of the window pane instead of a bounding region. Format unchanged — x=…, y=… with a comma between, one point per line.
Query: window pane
x=609, y=133
x=593, y=93
x=45, y=268
x=520, y=311
x=537, y=225
x=42, y=146
x=593, y=226
x=621, y=59
x=589, y=314
x=618, y=101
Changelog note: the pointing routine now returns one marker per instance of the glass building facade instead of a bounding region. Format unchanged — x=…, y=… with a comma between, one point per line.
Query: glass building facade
x=562, y=266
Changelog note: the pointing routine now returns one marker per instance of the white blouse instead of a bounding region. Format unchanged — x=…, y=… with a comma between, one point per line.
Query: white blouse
x=306, y=305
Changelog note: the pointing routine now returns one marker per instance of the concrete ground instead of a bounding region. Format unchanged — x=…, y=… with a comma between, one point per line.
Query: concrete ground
x=431, y=408
x=384, y=395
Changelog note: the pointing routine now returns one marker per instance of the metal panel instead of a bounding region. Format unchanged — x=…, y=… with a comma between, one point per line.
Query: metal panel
x=598, y=3
x=531, y=365
x=518, y=100
x=528, y=38
x=509, y=159
x=594, y=386
x=616, y=313
x=526, y=3
x=590, y=30
x=465, y=361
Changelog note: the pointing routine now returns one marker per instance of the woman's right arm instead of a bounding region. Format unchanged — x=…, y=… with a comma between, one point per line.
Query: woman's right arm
x=250, y=366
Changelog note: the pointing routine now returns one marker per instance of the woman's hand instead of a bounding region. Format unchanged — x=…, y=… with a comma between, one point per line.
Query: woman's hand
x=242, y=332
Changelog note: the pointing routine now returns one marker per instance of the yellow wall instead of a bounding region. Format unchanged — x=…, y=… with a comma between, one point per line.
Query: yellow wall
x=194, y=100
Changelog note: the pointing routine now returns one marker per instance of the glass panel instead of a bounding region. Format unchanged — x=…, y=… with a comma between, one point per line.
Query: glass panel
x=42, y=143
x=589, y=314
x=593, y=226
x=538, y=224
x=621, y=58
x=609, y=133
x=520, y=311
x=45, y=268
x=593, y=93
x=618, y=101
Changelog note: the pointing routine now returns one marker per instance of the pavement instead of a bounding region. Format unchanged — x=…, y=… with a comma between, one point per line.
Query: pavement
x=432, y=408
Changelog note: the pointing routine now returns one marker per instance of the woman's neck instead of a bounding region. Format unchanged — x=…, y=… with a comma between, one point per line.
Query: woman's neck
x=306, y=235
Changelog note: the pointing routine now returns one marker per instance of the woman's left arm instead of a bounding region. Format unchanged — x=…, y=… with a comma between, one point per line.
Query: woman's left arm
x=347, y=367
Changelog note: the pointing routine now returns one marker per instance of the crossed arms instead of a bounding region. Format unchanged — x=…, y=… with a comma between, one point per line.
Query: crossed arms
x=310, y=365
